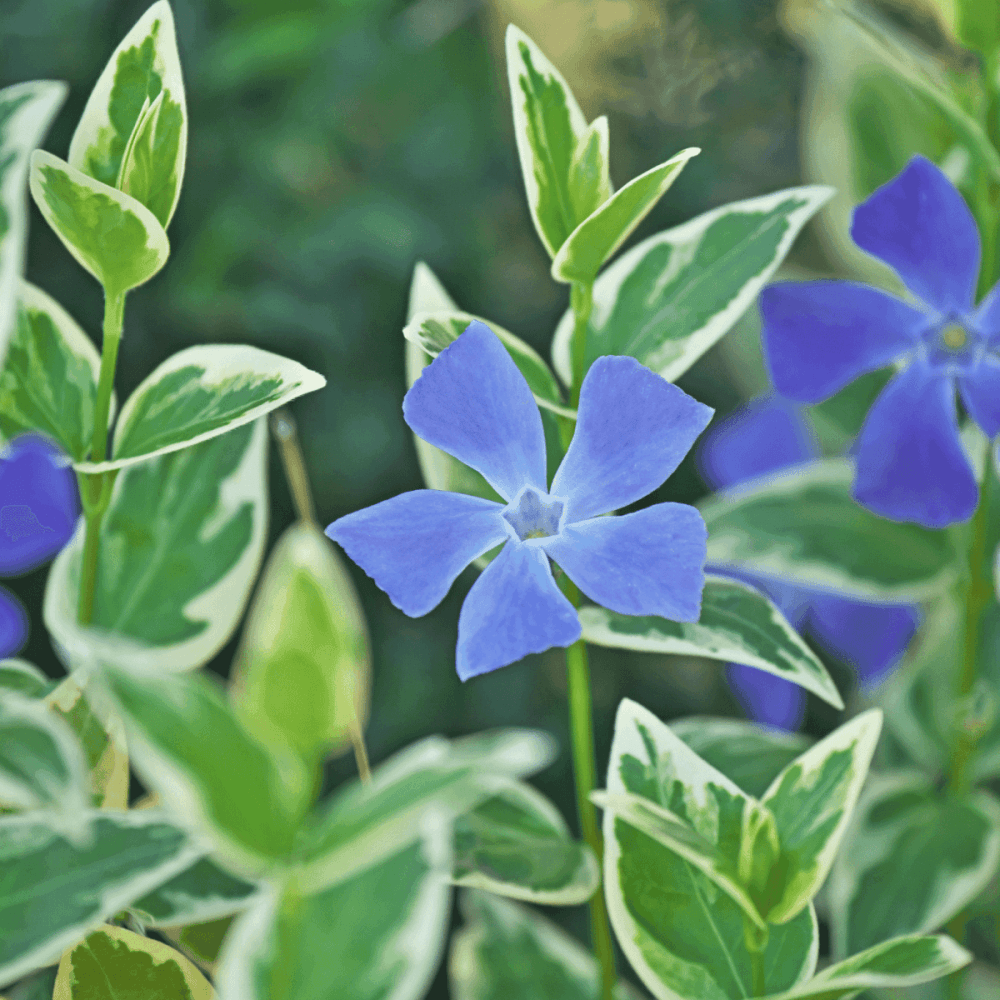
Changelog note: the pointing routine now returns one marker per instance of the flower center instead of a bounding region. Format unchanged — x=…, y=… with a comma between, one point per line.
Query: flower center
x=954, y=337
x=534, y=515
x=954, y=346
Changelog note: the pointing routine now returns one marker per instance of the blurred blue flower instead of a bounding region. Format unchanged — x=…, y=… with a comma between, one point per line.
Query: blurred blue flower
x=821, y=335
x=38, y=512
x=632, y=432
x=767, y=434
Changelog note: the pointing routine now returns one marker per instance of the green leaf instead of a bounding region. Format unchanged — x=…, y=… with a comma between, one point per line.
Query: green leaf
x=682, y=934
x=112, y=962
x=302, y=675
x=363, y=823
x=902, y=826
x=188, y=744
x=375, y=935
x=978, y=24
x=113, y=236
x=49, y=382
x=507, y=951
x=26, y=109
x=672, y=296
x=738, y=624
x=749, y=754
x=803, y=526
x=554, y=144
x=180, y=547
x=599, y=235
x=23, y=677
x=812, y=801
x=133, y=131
x=517, y=844
x=54, y=891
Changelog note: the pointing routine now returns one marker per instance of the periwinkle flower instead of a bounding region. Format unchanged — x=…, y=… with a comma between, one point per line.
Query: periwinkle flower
x=821, y=335
x=764, y=436
x=632, y=431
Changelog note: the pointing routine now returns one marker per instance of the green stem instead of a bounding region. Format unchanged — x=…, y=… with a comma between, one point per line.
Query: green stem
x=757, y=973
x=581, y=300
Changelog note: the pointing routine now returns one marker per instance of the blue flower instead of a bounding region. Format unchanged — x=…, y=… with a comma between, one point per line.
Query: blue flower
x=766, y=435
x=821, y=335
x=632, y=431
x=38, y=512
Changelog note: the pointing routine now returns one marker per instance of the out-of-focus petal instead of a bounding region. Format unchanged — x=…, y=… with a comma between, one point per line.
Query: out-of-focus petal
x=472, y=402
x=818, y=336
x=910, y=462
x=769, y=700
x=415, y=544
x=921, y=227
x=632, y=432
x=38, y=503
x=987, y=315
x=870, y=637
x=650, y=562
x=513, y=609
x=13, y=624
x=980, y=391
x=791, y=600
x=766, y=434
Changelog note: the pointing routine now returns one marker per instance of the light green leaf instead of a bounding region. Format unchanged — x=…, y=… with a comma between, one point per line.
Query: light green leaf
x=803, y=526
x=812, y=801
x=589, y=182
x=54, y=891
x=302, y=675
x=23, y=677
x=672, y=296
x=112, y=962
x=26, y=109
x=376, y=935
x=903, y=826
x=133, y=131
x=517, y=844
x=506, y=951
x=550, y=130
x=49, y=382
x=363, y=823
x=180, y=547
x=113, y=236
x=738, y=624
x=599, y=235
x=188, y=744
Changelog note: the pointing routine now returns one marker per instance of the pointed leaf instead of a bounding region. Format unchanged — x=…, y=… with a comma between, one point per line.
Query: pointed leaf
x=23, y=677
x=111, y=235
x=596, y=239
x=144, y=69
x=738, y=624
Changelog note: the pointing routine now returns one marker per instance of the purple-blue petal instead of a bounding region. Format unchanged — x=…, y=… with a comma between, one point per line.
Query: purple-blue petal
x=13, y=624
x=987, y=316
x=792, y=601
x=472, y=402
x=870, y=637
x=980, y=389
x=922, y=228
x=769, y=700
x=633, y=429
x=513, y=609
x=415, y=544
x=818, y=336
x=650, y=562
x=764, y=435
x=38, y=503
x=910, y=462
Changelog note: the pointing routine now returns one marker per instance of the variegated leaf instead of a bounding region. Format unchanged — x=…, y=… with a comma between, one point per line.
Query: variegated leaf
x=23, y=677
x=737, y=625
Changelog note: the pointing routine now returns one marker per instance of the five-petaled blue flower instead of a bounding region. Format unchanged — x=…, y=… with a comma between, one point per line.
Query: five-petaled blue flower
x=821, y=335
x=632, y=431
x=766, y=435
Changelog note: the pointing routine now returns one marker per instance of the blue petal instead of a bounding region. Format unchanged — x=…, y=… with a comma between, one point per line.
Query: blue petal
x=980, y=391
x=513, y=609
x=870, y=637
x=987, y=316
x=792, y=601
x=910, y=462
x=820, y=335
x=769, y=700
x=650, y=562
x=921, y=227
x=632, y=431
x=472, y=402
x=13, y=624
x=767, y=434
x=38, y=503
x=415, y=545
